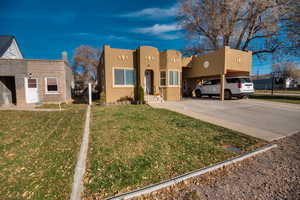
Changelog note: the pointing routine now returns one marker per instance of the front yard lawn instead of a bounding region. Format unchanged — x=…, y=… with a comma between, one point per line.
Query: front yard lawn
x=132, y=146
x=287, y=91
x=38, y=152
x=277, y=98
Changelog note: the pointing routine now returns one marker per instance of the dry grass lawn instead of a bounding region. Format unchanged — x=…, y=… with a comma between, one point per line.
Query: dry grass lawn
x=132, y=146
x=38, y=152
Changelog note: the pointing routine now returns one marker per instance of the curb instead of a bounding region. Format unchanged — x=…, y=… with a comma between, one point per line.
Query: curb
x=172, y=181
x=77, y=186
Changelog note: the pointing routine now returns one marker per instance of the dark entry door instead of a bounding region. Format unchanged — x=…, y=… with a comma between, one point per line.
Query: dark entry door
x=7, y=90
x=148, y=82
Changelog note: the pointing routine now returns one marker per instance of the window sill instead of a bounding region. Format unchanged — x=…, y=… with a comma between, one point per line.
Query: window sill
x=172, y=86
x=52, y=93
x=123, y=86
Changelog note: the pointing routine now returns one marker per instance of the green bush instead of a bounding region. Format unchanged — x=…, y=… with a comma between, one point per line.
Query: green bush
x=102, y=98
x=141, y=95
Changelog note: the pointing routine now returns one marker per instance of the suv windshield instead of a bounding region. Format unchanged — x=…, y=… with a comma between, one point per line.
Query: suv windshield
x=245, y=80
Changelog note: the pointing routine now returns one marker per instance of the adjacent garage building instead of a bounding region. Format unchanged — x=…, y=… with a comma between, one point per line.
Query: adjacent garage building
x=28, y=81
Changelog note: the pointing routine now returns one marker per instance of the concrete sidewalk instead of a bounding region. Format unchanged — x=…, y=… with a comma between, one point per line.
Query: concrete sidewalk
x=265, y=120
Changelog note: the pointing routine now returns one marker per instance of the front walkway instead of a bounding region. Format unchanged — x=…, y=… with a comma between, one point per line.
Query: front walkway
x=272, y=175
x=265, y=120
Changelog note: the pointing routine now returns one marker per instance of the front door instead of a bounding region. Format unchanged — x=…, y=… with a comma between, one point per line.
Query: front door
x=148, y=82
x=32, y=92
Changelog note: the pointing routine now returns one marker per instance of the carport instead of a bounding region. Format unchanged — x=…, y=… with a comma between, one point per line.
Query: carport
x=223, y=63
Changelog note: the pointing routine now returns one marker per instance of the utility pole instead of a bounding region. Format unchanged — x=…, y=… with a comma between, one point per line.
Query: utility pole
x=272, y=83
x=90, y=93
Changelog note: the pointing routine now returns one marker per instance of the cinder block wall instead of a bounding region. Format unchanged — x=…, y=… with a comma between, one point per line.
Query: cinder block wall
x=17, y=69
x=41, y=69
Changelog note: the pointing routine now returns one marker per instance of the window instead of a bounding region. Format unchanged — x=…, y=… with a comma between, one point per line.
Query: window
x=246, y=80
x=51, y=85
x=173, y=78
x=32, y=83
x=207, y=82
x=124, y=77
x=215, y=82
x=163, y=78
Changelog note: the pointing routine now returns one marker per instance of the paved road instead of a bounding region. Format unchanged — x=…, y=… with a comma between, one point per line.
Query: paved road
x=262, y=119
x=271, y=175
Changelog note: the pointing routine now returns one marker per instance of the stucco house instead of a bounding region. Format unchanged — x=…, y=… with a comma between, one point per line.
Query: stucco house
x=165, y=74
x=32, y=81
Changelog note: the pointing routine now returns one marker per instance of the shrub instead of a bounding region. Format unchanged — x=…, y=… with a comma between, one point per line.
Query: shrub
x=141, y=95
x=102, y=98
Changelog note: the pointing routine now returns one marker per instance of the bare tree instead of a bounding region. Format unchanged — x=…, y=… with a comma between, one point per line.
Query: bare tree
x=86, y=61
x=293, y=27
x=253, y=25
x=286, y=70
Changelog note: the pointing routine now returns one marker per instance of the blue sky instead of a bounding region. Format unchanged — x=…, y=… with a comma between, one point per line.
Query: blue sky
x=45, y=28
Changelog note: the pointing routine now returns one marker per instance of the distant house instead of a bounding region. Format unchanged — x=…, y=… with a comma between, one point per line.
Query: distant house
x=264, y=82
x=31, y=81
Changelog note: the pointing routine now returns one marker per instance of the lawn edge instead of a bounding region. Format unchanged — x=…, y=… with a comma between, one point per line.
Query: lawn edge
x=153, y=187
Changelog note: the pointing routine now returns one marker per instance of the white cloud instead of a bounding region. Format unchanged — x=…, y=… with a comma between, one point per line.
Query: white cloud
x=154, y=13
x=159, y=28
x=164, y=31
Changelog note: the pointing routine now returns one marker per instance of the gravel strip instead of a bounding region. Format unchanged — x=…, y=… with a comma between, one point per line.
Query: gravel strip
x=271, y=175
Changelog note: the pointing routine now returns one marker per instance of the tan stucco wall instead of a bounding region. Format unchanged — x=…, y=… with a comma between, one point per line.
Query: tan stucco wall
x=117, y=58
x=237, y=60
x=173, y=94
x=149, y=58
x=216, y=65
x=142, y=59
x=171, y=60
x=223, y=61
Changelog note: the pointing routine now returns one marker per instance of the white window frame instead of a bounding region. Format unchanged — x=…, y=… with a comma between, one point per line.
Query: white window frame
x=166, y=78
x=46, y=86
x=179, y=82
x=123, y=68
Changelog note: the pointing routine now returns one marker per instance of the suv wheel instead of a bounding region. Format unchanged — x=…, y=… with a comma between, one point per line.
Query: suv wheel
x=198, y=93
x=227, y=95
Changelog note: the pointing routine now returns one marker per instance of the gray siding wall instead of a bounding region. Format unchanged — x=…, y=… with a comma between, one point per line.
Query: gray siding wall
x=69, y=80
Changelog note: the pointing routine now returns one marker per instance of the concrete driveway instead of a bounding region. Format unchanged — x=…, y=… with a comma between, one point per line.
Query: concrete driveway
x=262, y=119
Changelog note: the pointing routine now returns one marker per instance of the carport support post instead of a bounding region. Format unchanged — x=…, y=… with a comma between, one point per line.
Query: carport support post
x=222, y=85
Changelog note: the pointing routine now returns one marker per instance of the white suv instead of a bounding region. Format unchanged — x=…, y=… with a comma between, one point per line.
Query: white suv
x=234, y=87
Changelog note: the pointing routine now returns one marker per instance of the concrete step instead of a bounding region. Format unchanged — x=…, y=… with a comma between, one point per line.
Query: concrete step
x=153, y=99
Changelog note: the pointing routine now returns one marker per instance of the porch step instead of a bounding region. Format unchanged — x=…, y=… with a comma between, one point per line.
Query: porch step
x=154, y=99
